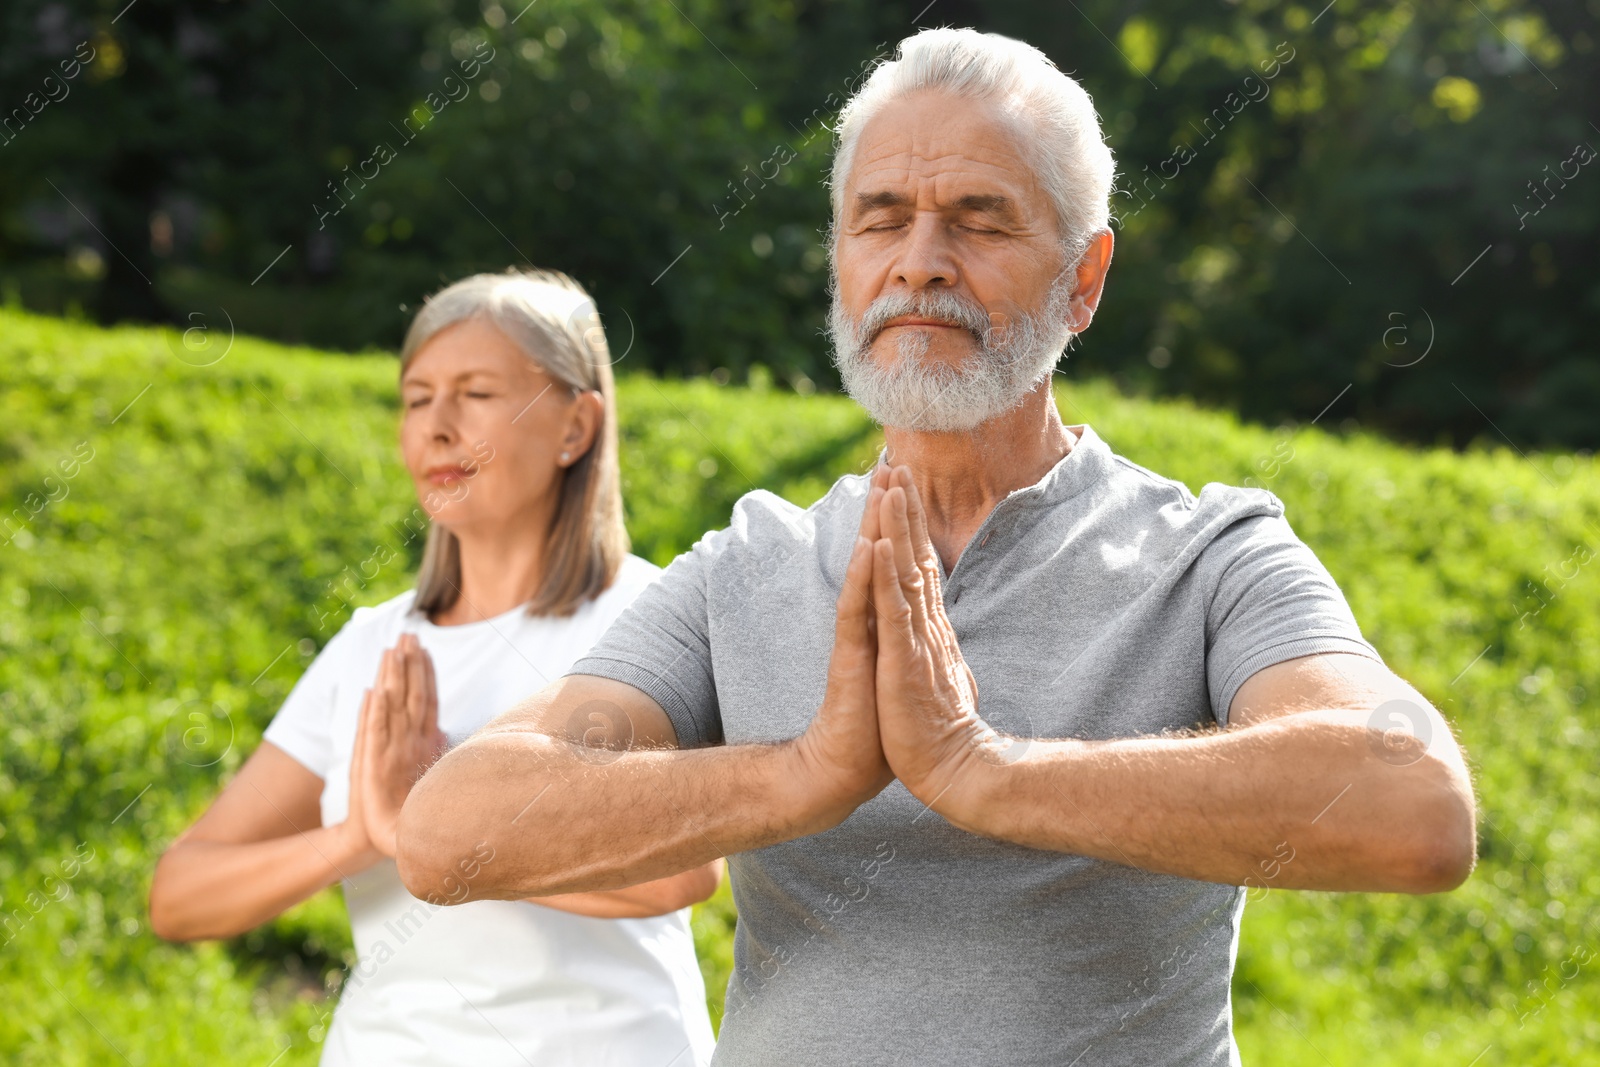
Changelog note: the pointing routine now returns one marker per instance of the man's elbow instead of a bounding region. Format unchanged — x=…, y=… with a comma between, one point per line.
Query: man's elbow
x=1442, y=847
x=701, y=883
x=684, y=890
x=1444, y=864
x=421, y=878
x=425, y=856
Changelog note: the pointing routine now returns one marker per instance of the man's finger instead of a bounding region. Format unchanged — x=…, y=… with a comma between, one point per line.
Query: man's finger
x=888, y=600
x=928, y=563
x=869, y=514
x=921, y=539
x=869, y=525
x=855, y=600
x=897, y=531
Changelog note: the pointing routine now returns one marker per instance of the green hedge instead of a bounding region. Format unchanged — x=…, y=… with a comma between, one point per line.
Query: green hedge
x=176, y=532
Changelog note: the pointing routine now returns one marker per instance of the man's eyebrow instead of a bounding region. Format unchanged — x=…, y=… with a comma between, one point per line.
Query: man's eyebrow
x=986, y=203
x=872, y=201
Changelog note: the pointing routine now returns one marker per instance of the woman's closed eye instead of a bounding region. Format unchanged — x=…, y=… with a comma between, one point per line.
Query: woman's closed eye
x=421, y=400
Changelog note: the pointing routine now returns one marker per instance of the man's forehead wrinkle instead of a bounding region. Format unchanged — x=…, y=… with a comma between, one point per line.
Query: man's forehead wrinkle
x=911, y=158
x=895, y=165
x=980, y=177
x=1006, y=195
x=897, y=149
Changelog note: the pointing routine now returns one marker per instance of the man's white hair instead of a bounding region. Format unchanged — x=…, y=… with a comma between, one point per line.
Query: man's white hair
x=1054, y=118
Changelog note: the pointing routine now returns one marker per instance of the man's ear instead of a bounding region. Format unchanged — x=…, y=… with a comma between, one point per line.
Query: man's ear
x=584, y=416
x=1092, y=270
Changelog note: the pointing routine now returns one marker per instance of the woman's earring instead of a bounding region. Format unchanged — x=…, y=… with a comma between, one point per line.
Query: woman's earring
x=565, y=456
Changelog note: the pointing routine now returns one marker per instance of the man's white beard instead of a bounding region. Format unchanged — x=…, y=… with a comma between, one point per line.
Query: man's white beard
x=913, y=394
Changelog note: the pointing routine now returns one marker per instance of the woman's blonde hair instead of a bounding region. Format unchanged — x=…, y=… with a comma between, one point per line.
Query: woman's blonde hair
x=553, y=320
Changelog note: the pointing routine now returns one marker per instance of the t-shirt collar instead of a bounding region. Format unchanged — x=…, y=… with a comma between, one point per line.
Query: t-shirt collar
x=1074, y=472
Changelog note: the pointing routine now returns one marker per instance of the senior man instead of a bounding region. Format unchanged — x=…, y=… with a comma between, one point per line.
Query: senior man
x=994, y=736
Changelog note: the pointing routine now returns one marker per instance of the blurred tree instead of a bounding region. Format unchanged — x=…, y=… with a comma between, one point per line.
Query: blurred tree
x=1353, y=211
x=178, y=135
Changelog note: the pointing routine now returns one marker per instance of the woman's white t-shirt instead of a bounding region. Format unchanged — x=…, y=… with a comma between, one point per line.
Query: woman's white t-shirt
x=488, y=982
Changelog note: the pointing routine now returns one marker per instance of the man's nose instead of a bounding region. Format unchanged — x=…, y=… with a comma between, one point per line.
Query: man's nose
x=926, y=258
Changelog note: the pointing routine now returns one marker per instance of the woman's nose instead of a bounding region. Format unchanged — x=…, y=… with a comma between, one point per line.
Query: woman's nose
x=442, y=419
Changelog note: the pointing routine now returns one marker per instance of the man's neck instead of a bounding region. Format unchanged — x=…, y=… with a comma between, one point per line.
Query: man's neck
x=961, y=476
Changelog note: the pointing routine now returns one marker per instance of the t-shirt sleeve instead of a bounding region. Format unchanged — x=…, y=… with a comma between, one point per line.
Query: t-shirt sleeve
x=1273, y=601
x=661, y=645
x=303, y=726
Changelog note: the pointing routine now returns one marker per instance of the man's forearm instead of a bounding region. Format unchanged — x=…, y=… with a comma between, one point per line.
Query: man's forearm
x=660, y=897
x=1302, y=803
x=564, y=819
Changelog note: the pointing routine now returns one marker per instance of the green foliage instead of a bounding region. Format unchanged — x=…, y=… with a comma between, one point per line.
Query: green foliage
x=180, y=540
x=1279, y=239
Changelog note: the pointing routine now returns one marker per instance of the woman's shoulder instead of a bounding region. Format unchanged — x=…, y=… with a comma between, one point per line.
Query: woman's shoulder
x=376, y=622
x=634, y=574
x=632, y=578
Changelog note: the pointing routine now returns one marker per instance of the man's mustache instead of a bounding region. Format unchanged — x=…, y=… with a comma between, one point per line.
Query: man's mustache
x=942, y=307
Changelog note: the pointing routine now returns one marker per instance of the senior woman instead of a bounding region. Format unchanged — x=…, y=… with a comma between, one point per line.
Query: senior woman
x=509, y=433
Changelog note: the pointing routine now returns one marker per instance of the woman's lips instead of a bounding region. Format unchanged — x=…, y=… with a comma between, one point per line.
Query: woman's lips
x=447, y=475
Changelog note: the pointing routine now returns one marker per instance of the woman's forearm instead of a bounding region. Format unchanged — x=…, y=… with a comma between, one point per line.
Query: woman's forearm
x=213, y=889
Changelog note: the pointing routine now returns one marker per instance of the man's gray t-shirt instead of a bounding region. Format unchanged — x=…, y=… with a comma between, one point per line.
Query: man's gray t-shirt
x=1104, y=601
